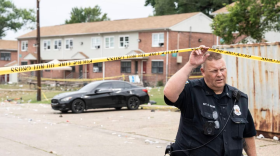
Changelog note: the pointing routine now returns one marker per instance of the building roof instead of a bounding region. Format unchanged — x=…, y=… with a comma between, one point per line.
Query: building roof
x=148, y=23
x=223, y=10
x=8, y=45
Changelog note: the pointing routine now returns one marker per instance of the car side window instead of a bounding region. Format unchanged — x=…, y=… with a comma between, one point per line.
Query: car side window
x=105, y=86
x=127, y=86
x=118, y=85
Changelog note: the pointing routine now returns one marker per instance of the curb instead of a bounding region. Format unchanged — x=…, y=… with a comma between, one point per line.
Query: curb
x=157, y=107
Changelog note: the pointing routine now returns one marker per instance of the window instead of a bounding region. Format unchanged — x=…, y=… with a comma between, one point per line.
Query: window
x=47, y=44
x=126, y=67
x=196, y=71
x=73, y=68
x=109, y=42
x=23, y=63
x=105, y=86
x=118, y=85
x=157, y=39
x=57, y=44
x=24, y=45
x=95, y=42
x=68, y=44
x=157, y=66
x=127, y=86
x=97, y=67
x=6, y=56
x=124, y=41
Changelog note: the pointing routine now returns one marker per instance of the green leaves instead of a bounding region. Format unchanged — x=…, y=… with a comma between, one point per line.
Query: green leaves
x=12, y=18
x=166, y=7
x=247, y=18
x=84, y=15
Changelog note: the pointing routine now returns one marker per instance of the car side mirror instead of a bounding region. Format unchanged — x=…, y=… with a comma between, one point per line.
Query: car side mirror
x=96, y=91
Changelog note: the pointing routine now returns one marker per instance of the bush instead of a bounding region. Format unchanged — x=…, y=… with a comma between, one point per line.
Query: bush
x=160, y=83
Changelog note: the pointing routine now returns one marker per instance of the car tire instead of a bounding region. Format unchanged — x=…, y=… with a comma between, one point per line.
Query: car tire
x=64, y=111
x=133, y=103
x=78, y=106
x=118, y=108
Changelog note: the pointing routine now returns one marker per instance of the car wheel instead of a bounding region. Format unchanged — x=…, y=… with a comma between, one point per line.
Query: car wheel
x=133, y=103
x=78, y=106
x=118, y=108
x=64, y=111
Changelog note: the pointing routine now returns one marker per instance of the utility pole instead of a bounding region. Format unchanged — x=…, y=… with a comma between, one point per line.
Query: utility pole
x=38, y=52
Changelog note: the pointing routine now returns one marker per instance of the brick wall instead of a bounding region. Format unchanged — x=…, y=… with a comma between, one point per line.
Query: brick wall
x=186, y=40
x=13, y=58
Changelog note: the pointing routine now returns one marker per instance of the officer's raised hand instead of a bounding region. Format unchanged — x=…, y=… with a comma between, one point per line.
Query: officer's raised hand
x=176, y=83
x=198, y=56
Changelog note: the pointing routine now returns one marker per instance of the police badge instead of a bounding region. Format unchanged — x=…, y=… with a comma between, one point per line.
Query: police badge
x=237, y=110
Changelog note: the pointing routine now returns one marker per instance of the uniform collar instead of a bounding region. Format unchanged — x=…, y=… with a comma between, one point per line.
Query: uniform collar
x=209, y=91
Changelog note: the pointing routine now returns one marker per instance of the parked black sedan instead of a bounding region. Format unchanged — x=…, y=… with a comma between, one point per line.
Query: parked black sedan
x=101, y=94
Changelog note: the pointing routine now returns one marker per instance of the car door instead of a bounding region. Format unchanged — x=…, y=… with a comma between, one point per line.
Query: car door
x=101, y=96
x=118, y=88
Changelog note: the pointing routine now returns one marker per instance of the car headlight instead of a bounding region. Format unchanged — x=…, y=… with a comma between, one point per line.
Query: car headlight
x=66, y=99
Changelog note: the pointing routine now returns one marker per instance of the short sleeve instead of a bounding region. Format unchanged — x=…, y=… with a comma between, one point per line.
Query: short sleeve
x=184, y=102
x=250, y=129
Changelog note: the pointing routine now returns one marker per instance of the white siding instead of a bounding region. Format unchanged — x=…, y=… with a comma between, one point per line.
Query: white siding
x=199, y=23
x=272, y=36
x=64, y=54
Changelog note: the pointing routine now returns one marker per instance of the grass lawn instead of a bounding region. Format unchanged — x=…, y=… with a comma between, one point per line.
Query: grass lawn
x=156, y=94
x=29, y=96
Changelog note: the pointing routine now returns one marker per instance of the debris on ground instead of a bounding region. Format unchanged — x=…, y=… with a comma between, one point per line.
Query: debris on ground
x=260, y=136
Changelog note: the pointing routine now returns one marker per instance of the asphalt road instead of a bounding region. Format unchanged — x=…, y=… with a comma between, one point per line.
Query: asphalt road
x=36, y=129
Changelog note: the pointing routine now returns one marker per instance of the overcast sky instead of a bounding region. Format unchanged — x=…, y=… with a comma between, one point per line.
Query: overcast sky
x=55, y=12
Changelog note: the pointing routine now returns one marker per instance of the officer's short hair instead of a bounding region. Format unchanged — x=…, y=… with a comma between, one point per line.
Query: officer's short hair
x=215, y=56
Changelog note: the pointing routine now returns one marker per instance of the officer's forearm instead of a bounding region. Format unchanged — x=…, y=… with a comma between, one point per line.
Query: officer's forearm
x=176, y=83
x=250, y=146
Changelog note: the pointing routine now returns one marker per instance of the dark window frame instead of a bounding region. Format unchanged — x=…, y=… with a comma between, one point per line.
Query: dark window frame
x=126, y=67
x=196, y=71
x=5, y=56
x=100, y=67
x=157, y=67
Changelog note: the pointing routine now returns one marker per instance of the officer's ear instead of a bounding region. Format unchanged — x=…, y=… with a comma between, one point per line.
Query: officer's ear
x=202, y=69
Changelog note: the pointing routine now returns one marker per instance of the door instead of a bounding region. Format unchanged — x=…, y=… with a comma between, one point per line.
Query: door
x=100, y=97
x=87, y=76
x=118, y=95
x=136, y=67
x=144, y=67
x=80, y=71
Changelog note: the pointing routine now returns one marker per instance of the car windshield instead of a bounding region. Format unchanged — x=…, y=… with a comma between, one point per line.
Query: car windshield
x=89, y=87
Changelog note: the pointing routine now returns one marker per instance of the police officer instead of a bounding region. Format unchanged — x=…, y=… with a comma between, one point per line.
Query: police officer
x=215, y=118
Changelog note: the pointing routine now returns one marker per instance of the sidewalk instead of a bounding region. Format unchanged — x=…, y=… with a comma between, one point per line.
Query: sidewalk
x=159, y=107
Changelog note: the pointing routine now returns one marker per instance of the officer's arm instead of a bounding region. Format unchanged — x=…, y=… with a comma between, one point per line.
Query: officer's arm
x=176, y=83
x=250, y=146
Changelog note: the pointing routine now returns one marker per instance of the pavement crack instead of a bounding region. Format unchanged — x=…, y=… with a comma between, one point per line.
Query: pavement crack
x=50, y=152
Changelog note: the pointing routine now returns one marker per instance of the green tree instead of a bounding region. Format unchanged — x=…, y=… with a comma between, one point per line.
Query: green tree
x=12, y=18
x=166, y=7
x=248, y=17
x=84, y=15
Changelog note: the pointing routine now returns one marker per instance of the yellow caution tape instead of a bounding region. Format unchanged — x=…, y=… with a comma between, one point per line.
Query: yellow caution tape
x=45, y=96
x=44, y=66
x=49, y=79
x=252, y=57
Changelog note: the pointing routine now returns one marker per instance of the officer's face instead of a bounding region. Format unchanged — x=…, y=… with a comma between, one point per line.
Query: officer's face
x=215, y=74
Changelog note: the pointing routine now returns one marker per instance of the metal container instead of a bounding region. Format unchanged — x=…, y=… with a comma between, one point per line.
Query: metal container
x=260, y=80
